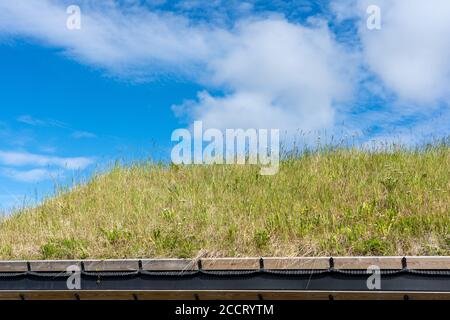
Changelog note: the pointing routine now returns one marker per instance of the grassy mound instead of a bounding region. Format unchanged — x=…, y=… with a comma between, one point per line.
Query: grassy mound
x=341, y=202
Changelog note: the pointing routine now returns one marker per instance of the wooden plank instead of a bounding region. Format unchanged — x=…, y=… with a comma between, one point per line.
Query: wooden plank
x=223, y=295
x=5, y=295
x=169, y=265
x=106, y=295
x=228, y=295
x=49, y=295
x=363, y=263
x=13, y=266
x=53, y=266
x=166, y=295
x=418, y=263
x=354, y=295
x=111, y=265
x=230, y=264
x=297, y=263
x=428, y=263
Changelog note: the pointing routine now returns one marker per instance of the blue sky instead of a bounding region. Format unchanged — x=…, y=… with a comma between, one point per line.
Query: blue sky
x=55, y=107
x=72, y=101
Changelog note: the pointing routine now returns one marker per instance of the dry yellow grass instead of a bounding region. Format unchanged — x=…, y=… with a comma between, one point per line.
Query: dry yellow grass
x=341, y=202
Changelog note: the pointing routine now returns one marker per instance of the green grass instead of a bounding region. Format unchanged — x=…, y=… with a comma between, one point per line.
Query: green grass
x=340, y=202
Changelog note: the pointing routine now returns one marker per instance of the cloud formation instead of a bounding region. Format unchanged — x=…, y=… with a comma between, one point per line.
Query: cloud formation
x=83, y=135
x=278, y=75
x=37, y=122
x=410, y=52
x=29, y=167
x=31, y=176
x=270, y=71
x=32, y=121
x=407, y=70
x=120, y=42
x=18, y=159
x=275, y=73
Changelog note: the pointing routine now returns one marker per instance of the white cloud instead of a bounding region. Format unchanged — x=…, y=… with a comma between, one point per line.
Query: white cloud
x=410, y=52
x=278, y=75
x=36, y=122
x=272, y=72
x=32, y=121
x=27, y=119
x=34, y=175
x=83, y=135
x=121, y=42
x=431, y=128
x=12, y=158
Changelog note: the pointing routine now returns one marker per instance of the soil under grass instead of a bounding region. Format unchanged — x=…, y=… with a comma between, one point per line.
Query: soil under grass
x=340, y=202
